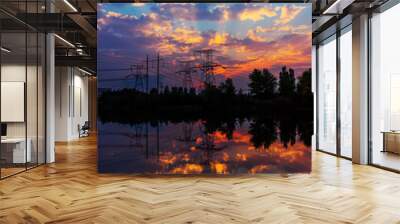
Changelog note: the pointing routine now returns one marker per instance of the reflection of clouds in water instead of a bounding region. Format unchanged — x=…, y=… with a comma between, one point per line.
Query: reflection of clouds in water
x=221, y=155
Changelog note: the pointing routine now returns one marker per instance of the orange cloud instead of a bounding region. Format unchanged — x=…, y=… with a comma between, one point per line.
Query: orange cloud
x=256, y=14
x=188, y=36
x=218, y=39
x=168, y=158
x=259, y=169
x=225, y=15
x=219, y=137
x=189, y=168
x=241, y=157
x=111, y=14
x=156, y=29
x=288, y=14
x=254, y=35
x=300, y=29
x=293, y=153
x=241, y=138
x=219, y=168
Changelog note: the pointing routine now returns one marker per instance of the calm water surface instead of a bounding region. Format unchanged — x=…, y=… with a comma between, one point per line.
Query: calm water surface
x=200, y=147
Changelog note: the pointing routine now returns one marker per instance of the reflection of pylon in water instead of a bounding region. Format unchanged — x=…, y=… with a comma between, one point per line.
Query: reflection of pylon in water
x=187, y=131
x=209, y=149
x=208, y=142
x=136, y=139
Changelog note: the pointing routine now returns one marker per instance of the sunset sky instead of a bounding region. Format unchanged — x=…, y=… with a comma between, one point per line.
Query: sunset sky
x=245, y=37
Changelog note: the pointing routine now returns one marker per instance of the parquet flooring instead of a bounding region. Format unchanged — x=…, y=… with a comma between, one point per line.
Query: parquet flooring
x=71, y=191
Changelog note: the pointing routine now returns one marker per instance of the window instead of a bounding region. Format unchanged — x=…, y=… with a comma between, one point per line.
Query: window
x=346, y=92
x=22, y=88
x=327, y=95
x=385, y=89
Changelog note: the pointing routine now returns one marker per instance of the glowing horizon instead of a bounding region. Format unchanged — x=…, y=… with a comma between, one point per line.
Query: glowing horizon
x=245, y=36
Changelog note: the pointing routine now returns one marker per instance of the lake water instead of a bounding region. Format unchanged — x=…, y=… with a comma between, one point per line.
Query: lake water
x=205, y=147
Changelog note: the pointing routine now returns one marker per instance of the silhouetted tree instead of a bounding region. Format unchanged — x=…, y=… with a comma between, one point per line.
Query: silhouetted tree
x=192, y=91
x=270, y=84
x=256, y=80
x=153, y=91
x=304, y=84
x=287, y=82
x=227, y=87
x=166, y=90
x=262, y=84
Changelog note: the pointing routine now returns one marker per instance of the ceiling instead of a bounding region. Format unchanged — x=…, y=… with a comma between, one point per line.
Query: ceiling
x=74, y=21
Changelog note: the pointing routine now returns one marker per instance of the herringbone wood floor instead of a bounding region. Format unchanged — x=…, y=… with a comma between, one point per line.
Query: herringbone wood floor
x=71, y=191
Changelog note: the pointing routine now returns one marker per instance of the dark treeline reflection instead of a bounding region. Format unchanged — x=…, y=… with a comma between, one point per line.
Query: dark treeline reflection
x=215, y=144
x=193, y=142
x=264, y=128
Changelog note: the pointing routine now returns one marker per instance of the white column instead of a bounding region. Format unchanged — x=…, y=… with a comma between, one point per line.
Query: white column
x=360, y=90
x=50, y=99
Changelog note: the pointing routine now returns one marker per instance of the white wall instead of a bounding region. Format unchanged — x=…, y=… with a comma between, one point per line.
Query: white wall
x=71, y=94
x=62, y=82
x=16, y=72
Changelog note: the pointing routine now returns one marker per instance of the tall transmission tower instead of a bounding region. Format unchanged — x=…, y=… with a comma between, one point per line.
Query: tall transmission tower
x=138, y=71
x=207, y=65
x=187, y=68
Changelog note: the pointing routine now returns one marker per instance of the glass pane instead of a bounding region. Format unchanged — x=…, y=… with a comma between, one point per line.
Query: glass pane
x=327, y=96
x=13, y=88
x=346, y=93
x=385, y=84
x=32, y=87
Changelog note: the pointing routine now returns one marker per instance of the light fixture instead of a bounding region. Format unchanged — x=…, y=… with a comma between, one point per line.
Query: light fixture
x=70, y=5
x=5, y=50
x=337, y=7
x=64, y=40
x=80, y=51
x=84, y=71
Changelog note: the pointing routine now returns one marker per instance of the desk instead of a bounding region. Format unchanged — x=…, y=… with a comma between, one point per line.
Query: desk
x=16, y=146
x=391, y=141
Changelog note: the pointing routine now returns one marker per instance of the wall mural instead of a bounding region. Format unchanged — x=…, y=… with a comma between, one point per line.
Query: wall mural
x=204, y=88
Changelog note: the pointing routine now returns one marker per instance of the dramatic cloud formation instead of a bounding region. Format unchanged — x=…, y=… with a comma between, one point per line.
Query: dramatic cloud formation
x=257, y=14
x=288, y=14
x=243, y=37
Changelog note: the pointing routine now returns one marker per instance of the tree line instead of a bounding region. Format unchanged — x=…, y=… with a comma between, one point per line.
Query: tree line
x=266, y=92
x=264, y=85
